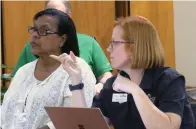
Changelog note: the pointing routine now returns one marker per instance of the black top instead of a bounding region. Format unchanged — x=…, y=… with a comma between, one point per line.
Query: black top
x=164, y=87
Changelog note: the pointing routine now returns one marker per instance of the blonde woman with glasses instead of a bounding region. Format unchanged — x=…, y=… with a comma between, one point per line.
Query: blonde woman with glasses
x=145, y=93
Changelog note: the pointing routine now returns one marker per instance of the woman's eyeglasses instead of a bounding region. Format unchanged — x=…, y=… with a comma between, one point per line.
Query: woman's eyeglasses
x=41, y=32
x=113, y=43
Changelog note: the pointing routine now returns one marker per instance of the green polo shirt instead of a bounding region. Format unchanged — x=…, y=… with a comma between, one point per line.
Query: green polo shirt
x=90, y=51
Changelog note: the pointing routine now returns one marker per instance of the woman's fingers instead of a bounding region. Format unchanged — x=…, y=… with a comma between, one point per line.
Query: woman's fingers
x=73, y=57
x=60, y=57
x=63, y=55
x=56, y=58
x=66, y=60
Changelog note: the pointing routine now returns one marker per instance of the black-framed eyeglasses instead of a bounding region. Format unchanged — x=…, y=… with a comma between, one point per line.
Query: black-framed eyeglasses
x=115, y=43
x=41, y=32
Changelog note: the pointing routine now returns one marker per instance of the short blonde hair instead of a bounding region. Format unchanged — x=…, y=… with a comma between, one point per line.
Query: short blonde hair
x=147, y=50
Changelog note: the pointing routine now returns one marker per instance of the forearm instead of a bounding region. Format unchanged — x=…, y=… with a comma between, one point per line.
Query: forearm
x=78, y=98
x=102, y=79
x=152, y=117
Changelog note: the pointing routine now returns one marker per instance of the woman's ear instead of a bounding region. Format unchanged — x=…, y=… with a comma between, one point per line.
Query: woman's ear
x=130, y=50
x=63, y=40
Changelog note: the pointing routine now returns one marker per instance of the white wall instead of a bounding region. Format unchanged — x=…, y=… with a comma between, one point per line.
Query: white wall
x=185, y=39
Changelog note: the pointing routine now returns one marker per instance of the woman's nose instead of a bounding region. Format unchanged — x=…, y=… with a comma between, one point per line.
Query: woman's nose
x=34, y=35
x=109, y=48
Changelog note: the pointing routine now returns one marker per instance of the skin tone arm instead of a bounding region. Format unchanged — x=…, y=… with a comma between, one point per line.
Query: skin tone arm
x=70, y=65
x=78, y=98
x=102, y=79
x=146, y=108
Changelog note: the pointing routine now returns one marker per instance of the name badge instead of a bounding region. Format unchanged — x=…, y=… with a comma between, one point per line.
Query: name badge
x=121, y=98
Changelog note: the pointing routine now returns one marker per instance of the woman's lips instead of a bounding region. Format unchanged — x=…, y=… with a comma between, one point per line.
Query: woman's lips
x=33, y=44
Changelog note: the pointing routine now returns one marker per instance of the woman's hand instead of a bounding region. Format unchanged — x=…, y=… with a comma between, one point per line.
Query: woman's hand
x=71, y=66
x=122, y=84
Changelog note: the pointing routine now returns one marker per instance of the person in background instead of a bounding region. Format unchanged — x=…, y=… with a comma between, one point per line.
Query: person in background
x=43, y=82
x=145, y=94
x=89, y=49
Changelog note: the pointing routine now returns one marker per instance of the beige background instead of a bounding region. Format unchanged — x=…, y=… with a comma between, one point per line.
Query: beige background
x=185, y=39
x=0, y=42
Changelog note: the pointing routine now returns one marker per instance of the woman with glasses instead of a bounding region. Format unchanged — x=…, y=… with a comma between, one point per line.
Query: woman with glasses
x=44, y=82
x=145, y=94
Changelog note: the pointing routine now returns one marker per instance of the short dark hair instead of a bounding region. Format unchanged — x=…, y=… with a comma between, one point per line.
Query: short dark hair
x=66, y=3
x=65, y=26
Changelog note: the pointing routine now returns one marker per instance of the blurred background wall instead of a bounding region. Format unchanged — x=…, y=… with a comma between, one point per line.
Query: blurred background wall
x=174, y=21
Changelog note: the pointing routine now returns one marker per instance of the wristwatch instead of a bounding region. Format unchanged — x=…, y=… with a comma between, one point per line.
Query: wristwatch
x=76, y=87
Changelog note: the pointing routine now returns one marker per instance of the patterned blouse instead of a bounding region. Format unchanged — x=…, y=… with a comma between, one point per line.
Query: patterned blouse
x=35, y=94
